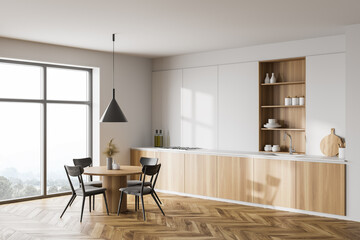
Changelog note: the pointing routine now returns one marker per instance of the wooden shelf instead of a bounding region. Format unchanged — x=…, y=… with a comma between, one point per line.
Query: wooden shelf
x=295, y=153
x=283, y=129
x=282, y=83
x=283, y=106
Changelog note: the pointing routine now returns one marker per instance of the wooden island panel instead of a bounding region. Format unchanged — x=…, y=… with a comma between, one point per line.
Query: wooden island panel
x=235, y=178
x=274, y=182
x=171, y=176
x=200, y=175
x=320, y=187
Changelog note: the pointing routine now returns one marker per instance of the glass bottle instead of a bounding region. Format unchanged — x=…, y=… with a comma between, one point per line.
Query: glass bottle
x=156, y=143
x=161, y=139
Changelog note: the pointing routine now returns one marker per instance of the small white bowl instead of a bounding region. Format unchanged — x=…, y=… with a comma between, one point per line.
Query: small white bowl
x=267, y=148
x=276, y=148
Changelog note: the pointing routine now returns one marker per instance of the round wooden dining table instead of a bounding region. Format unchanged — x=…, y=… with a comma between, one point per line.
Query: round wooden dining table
x=113, y=180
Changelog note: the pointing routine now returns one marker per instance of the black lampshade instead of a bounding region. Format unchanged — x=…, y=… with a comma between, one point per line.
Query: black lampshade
x=113, y=112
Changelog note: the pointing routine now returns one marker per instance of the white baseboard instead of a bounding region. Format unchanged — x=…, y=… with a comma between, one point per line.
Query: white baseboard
x=258, y=205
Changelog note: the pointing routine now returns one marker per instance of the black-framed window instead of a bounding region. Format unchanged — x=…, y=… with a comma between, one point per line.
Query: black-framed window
x=45, y=122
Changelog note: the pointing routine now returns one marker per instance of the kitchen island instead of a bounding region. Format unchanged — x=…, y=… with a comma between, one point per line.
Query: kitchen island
x=310, y=183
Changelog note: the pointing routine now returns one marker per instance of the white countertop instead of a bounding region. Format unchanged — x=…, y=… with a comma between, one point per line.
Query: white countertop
x=267, y=155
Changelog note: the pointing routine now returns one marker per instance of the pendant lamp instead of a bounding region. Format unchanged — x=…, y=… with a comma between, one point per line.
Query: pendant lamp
x=113, y=112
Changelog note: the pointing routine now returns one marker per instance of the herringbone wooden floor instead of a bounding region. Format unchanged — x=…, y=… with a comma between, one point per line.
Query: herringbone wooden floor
x=186, y=218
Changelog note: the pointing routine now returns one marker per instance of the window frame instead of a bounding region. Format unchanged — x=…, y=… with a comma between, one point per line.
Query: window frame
x=44, y=102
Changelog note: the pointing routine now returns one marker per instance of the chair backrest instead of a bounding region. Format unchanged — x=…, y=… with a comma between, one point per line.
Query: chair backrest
x=83, y=162
x=75, y=171
x=145, y=161
x=152, y=171
x=148, y=161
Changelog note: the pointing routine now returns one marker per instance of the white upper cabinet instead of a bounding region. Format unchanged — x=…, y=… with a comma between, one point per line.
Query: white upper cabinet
x=199, y=107
x=166, y=105
x=325, y=98
x=238, y=106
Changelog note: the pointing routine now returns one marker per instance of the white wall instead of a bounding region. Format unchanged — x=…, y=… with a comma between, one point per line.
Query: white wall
x=353, y=120
x=132, y=83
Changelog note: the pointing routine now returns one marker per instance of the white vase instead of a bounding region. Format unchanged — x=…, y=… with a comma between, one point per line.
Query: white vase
x=273, y=78
x=267, y=79
x=115, y=166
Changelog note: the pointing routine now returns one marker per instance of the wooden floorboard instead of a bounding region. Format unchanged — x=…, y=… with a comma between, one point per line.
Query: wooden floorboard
x=186, y=218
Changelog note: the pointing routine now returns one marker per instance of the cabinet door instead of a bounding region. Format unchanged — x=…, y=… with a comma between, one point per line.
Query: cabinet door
x=166, y=105
x=235, y=178
x=171, y=176
x=200, y=175
x=199, y=107
x=320, y=187
x=325, y=98
x=274, y=182
x=238, y=106
x=135, y=156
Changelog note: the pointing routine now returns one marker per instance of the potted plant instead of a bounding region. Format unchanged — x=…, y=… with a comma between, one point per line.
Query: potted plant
x=110, y=151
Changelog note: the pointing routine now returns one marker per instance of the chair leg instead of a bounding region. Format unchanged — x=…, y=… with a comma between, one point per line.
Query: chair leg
x=143, y=207
x=136, y=203
x=93, y=202
x=82, y=208
x=157, y=203
x=89, y=203
x=107, y=209
x=70, y=201
x=157, y=197
x=121, y=196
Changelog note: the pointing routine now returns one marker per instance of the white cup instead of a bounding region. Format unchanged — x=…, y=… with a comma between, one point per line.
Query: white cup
x=287, y=101
x=272, y=121
x=295, y=101
x=302, y=101
x=342, y=153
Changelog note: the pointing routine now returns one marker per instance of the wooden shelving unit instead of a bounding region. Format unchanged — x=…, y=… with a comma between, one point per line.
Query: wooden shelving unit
x=282, y=83
x=283, y=129
x=290, y=76
x=297, y=153
x=282, y=106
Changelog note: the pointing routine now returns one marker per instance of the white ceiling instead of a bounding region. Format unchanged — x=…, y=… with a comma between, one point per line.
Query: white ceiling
x=155, y=28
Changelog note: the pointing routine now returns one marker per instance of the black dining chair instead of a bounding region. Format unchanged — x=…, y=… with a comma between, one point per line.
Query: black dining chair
x=140, y=191
x=87, y=162
x=130, y=183
x=83, y=190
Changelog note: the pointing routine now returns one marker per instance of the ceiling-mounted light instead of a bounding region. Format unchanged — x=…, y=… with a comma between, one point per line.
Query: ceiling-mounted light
x=113, y=112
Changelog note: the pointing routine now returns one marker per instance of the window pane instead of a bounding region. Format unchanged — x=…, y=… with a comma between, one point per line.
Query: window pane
x=67, y=84
x=66, y=139
x=20, y=155
x=20, y=81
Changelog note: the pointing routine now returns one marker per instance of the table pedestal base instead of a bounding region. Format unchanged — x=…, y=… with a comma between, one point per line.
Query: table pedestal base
x=112, y=185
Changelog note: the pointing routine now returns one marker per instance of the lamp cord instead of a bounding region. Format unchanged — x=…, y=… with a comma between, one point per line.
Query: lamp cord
x=113, y=38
